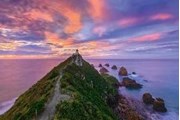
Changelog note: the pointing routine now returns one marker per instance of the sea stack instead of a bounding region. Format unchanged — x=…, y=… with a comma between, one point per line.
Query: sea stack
x=100, y=65
x=114, y=67
x=103, y=70
x=159, y=105
x=107, y=65
x=147, y=98
x=123, y=71
x=131, y=84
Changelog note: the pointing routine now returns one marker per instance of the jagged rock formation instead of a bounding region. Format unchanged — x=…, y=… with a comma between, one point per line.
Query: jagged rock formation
x=107, y=65
x=132, y=84
x=103, y=70
x=123, y=71
x=100, y=65
x=114, y=67
x=147, y=98
x=159, y=105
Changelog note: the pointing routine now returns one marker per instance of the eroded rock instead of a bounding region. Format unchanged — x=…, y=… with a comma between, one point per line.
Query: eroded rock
x=159, y=105
x=103, y=70
x=123, y=71
x=100, y=65
x=132, y=84
x=107, y=65
x=114, y=67
x=147, y=98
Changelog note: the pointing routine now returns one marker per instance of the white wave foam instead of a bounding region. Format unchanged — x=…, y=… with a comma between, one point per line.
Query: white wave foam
x=170, y=116
x=5, y=106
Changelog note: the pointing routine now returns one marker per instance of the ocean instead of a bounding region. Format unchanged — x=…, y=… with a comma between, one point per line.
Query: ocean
x=159, y=77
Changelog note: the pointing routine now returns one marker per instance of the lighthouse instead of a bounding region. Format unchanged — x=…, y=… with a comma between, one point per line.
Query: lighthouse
x=77, y=58
x=77, y=52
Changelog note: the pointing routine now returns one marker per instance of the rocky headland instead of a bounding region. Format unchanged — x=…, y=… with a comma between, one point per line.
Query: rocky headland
x=74, y=89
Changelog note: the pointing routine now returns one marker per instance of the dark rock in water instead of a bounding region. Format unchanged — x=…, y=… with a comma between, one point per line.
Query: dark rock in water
x=160, y=99
x=129, y=83
x=103, y=70
x=147, y=98
x=134, y=73
x=123, y=71
x=114, y=67
x=159, y=105
x=107, y=65
x=100, y=65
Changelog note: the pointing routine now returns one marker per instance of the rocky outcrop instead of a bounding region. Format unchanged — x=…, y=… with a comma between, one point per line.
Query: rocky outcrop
x=103, y=70
x=159, y=105
x=124, y=110
x=107, y=65
x=100, y=65
x=123, y=71
x=129, y=83
x=114, y=67
x=147, y=98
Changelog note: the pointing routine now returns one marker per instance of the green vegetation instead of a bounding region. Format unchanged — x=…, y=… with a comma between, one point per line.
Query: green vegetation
x=88, y=91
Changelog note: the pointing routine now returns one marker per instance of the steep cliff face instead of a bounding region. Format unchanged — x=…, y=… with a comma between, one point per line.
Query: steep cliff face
x=73, y=90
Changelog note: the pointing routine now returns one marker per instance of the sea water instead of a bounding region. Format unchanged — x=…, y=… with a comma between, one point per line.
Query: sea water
x=159, y=77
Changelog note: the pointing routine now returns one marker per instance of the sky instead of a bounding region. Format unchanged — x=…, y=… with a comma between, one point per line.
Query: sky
x=114, y=29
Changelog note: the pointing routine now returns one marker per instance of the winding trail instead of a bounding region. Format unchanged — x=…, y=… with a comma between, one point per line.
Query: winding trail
x=50, y=108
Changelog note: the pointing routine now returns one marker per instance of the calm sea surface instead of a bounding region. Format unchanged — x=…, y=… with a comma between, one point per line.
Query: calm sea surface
x=159, y=77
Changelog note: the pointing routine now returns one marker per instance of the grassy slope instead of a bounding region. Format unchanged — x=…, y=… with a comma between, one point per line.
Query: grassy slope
x=34, y=99
x=88, y=91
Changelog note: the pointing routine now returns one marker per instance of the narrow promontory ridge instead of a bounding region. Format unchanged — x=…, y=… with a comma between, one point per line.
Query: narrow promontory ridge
x=73, y=90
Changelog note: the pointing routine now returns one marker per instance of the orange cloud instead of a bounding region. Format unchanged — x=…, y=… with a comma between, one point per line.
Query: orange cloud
x=127, y=22
x=74, y=21
x=54, y=39
x=148, y=37
x=97, y=9
x=72, y=15
x=161, y=16
x=7, y=46
x=37, y=14
x=10, y=46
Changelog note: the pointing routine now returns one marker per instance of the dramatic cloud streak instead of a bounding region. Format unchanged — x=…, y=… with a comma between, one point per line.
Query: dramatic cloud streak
x=99, y=29
x=148, y=37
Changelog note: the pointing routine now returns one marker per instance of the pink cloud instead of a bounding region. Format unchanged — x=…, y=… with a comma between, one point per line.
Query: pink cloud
x=148, y=37
x=97, y=9
x=161, y=16
x=125, y=22
x=99, y=30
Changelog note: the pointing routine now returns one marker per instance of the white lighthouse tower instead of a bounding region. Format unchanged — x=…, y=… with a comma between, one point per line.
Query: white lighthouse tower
x=77, y=58
x=77, y=52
